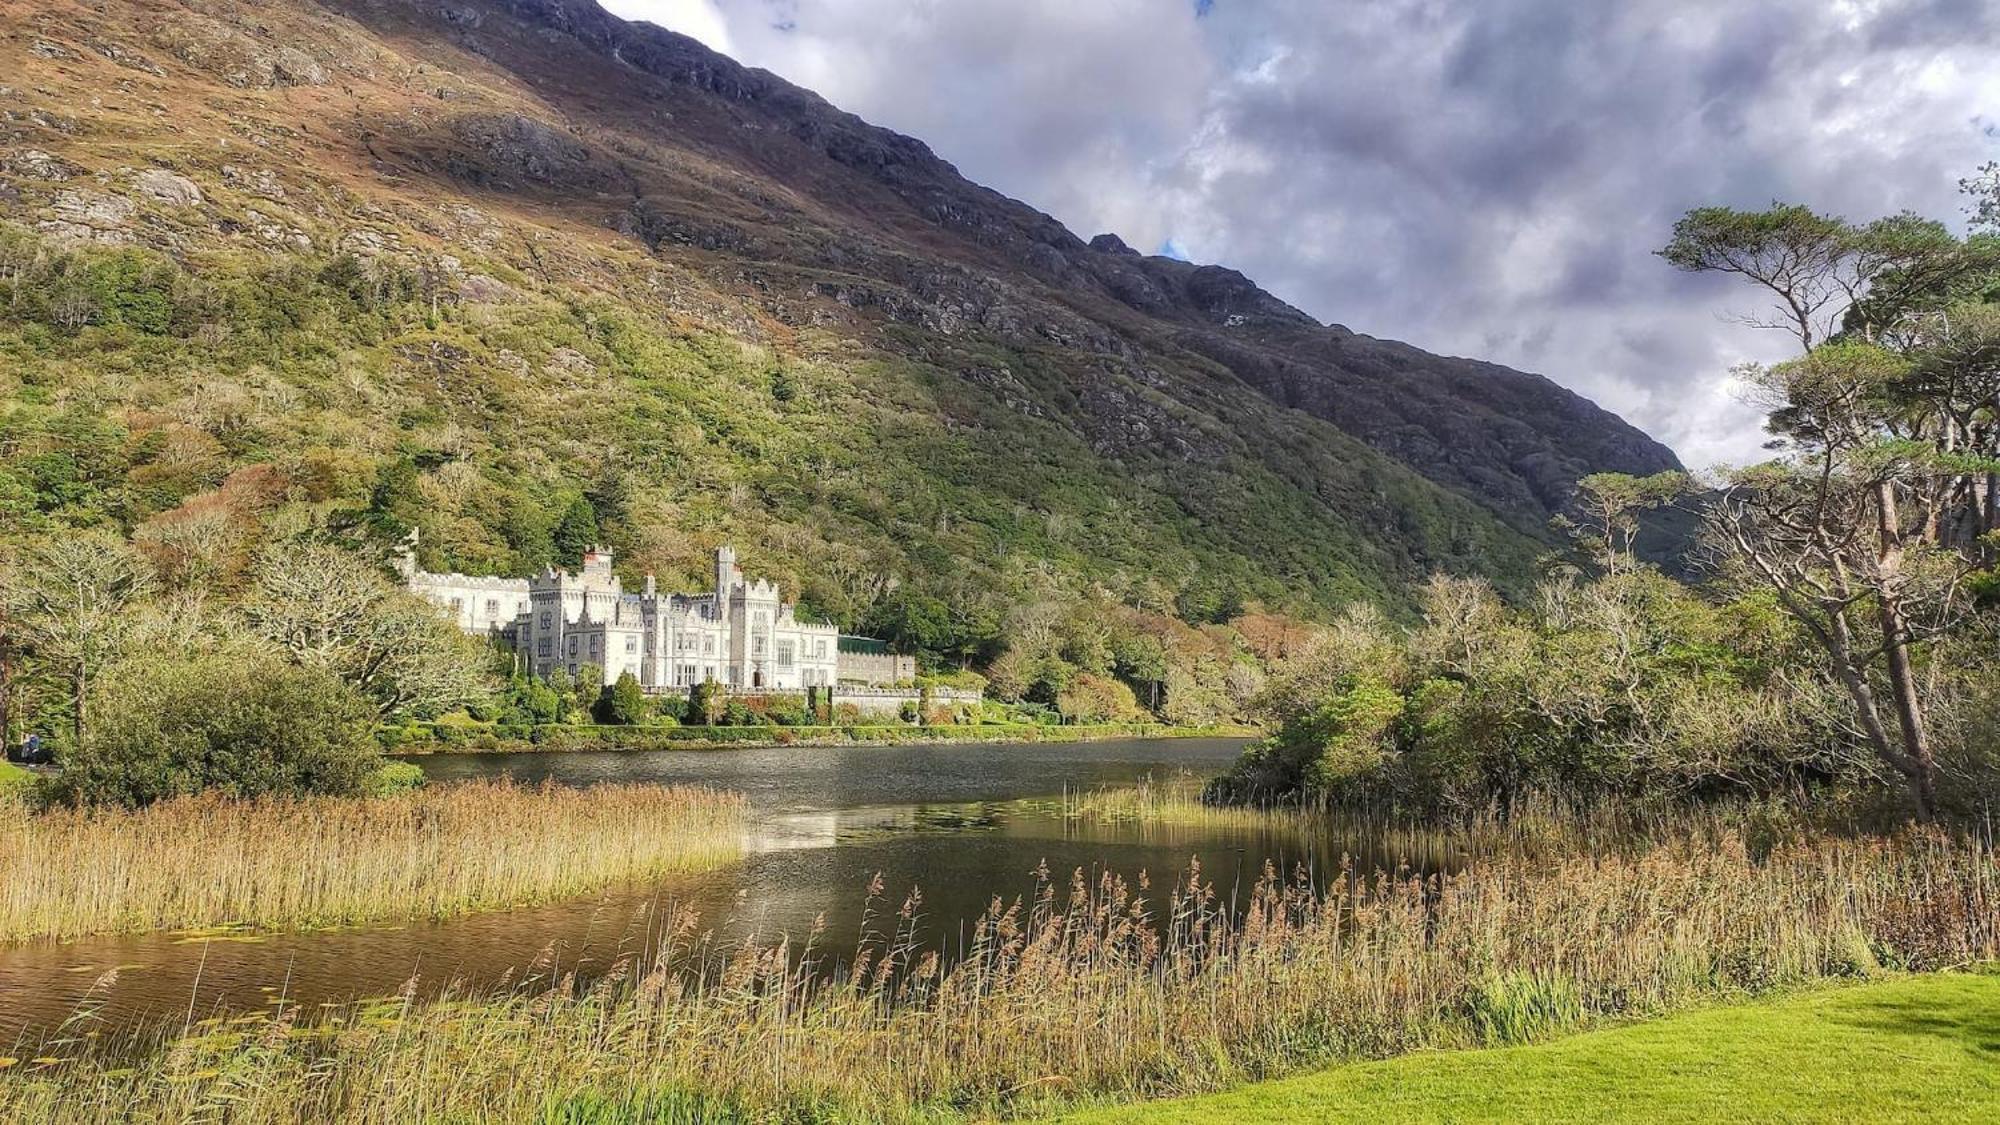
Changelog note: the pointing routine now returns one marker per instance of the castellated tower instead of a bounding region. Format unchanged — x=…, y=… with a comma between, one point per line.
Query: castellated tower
x=725, y=574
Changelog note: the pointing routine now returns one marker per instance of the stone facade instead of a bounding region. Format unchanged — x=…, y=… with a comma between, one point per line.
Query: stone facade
x=865, y=660
x=483, y=605
x=741, y=634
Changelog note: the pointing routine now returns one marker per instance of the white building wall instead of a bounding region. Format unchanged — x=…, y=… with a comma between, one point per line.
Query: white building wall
x=477, y=605
x=742, y=634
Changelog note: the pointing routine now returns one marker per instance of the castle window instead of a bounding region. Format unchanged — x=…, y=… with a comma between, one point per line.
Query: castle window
x=542, y=647
x=708, y=645
x=784, y=654
x=572, y=646
x=492, y=607
x=457, y=606
x=631, y=644
x=819, y=650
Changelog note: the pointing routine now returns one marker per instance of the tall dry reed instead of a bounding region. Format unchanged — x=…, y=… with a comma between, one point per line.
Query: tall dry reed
x=451, y=849
x=1093, y=991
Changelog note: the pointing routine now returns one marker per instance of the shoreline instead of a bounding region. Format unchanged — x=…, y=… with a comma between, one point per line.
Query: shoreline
x=552, y=739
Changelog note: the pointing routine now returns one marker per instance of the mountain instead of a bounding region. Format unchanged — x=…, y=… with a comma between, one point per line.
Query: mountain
x=517, y=271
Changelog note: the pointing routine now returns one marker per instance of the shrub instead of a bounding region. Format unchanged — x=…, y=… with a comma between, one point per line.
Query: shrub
x=1098, y=699
x=246, y=726
x=391, y=778
x=624, y=705
x=790, y=710
x=534, y=699
x=705, y=703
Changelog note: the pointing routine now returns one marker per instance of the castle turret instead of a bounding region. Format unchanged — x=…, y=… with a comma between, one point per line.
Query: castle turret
x=406, y=556
x=725, y=574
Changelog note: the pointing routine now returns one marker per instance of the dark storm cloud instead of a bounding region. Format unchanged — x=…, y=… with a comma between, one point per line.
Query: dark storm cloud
x=1482, y=178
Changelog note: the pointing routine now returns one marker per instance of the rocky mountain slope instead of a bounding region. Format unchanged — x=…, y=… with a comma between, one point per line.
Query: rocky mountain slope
x=479, y=262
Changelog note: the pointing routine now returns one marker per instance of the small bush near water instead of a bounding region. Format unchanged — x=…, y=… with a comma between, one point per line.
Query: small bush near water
x=1093, y=993
x=230, y=724
x=284, y=861
x=391, y=778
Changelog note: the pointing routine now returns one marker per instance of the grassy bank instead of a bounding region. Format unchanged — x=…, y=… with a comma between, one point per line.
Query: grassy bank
x=452, y=849
x=562, y=737
x=14, y=782
x=1908, y=1049
x=1076, y=996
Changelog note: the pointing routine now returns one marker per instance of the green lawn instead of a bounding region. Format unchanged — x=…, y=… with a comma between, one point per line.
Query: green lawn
x=1921, y=1048
x=13, y=780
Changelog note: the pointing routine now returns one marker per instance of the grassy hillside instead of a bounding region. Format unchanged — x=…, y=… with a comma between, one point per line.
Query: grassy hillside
x=377, y=395
x=522, y=276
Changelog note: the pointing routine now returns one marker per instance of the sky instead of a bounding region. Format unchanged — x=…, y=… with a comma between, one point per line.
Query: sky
x=1485, y=178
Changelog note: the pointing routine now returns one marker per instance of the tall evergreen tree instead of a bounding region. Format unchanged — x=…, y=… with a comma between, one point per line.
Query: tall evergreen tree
x=576, y=532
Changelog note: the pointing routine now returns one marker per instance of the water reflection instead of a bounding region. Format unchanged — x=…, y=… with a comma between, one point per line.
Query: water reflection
x=825, y=823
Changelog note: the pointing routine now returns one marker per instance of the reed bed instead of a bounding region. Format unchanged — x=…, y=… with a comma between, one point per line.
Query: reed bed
x=1091, y=991
x=1174, y=801
x=283, y=863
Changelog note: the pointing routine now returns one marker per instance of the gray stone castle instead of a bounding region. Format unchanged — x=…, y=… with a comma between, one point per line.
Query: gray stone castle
x=740, y=634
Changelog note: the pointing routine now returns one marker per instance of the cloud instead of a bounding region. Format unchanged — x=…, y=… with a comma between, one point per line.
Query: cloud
x=1480, y=179
x=697, y=19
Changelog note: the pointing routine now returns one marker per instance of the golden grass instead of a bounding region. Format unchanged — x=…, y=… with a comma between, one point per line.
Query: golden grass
x=439, y=851
x=1175, y=802
x=1091, y=993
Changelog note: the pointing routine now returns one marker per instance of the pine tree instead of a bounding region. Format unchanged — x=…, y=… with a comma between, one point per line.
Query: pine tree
x=576, y=532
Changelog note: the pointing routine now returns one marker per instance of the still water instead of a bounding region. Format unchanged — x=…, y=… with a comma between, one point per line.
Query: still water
x=960, y=823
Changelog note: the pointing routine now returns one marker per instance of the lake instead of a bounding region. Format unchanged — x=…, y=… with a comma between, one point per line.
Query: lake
x=961, y=823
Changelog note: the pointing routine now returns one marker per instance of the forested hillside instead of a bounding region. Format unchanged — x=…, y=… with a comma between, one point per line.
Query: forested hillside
x=524, y=276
